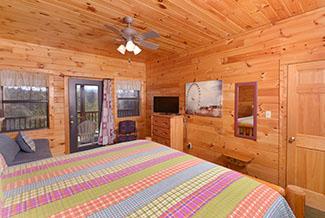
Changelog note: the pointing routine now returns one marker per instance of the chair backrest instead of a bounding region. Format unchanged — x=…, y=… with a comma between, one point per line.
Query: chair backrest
x=86, y=131
x=127, y=127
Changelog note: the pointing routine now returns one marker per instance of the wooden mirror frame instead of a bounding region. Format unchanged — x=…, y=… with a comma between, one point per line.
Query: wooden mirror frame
x=236, y=130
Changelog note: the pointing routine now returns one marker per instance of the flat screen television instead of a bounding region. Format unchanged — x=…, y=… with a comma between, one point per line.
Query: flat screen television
x=166, y=104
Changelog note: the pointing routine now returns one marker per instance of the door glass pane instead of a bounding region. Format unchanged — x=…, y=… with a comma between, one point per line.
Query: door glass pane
x=91, y=98
x=88, y=114
x=78, y=87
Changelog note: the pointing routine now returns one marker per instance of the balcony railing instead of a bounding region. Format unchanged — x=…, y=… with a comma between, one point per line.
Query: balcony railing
x=23, y=123
x=38, y=122
x=90, y=115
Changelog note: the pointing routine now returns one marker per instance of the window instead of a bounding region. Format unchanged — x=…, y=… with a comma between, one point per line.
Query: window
x=23, y=108
x=128, y=97
x=128, y=102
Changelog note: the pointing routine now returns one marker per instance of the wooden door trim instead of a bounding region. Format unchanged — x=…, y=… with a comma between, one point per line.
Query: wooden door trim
x=283, y=125
x=283, y=112
x=66, y=115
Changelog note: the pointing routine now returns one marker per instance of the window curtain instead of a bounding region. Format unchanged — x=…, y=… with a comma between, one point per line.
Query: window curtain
x=128, y=85
x=15, y=78
x=106, y=132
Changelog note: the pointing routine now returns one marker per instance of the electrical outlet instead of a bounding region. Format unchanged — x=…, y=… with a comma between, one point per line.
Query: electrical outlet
x=268, y=114
x=189, y=145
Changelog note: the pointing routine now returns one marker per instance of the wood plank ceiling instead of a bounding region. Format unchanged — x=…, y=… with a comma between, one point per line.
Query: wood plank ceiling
x=183, y=24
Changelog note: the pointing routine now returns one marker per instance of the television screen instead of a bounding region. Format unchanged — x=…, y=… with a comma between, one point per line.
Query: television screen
x=166, y=104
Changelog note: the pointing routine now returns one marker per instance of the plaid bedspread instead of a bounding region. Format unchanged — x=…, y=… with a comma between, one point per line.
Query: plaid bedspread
x=134, y=179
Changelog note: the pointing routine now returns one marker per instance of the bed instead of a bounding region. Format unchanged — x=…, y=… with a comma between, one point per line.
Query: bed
x=134, y=179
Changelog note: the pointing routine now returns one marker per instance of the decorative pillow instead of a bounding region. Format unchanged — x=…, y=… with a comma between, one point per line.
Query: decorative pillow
x=3, y=164
x=8, y=148
x=25, y=143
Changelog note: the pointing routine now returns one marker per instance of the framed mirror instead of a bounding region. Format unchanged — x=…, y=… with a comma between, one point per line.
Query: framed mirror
x=246, y=110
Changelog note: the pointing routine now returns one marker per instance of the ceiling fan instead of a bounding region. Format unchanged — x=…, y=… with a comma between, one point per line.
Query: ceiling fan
x=131, y=39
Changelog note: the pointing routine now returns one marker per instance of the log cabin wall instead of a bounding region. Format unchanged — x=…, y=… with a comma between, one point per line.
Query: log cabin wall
x=254, y=56
x=61, y=63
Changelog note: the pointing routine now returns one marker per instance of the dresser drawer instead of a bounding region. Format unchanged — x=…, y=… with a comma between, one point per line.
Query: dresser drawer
x=161, y=132
x=160, y=140
x=161, y=121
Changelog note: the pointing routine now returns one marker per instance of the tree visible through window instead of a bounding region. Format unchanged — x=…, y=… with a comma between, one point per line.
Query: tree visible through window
x=128, y=103
x=23, y=108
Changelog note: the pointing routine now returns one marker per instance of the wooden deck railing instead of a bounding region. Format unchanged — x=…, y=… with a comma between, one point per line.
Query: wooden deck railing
x=90, y=115
x=23, y=123
x=38, y=122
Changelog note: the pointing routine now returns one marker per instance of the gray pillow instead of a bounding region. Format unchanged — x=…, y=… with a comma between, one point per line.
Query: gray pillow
x=25, y=143
x=8, y=148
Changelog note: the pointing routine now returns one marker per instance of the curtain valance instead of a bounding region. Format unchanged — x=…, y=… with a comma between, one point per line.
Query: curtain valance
x=128, y=85
x=15, y=78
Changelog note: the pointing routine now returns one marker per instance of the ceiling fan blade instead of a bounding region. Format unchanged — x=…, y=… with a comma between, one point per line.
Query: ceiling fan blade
x=113, y=29
x=119, y=41
x=149, y=45
x=149, y=35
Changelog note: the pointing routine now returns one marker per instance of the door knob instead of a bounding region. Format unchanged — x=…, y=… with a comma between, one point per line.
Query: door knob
x=292, y=139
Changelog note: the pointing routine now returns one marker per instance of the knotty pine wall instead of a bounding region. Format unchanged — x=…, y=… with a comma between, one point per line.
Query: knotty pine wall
x=255, y=56
x=60, y=63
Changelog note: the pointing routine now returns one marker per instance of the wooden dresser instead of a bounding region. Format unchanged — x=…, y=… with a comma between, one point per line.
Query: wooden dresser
x=168, y=130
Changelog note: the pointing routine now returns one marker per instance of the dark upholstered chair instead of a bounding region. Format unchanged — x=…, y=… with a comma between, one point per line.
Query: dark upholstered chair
x=126, y=131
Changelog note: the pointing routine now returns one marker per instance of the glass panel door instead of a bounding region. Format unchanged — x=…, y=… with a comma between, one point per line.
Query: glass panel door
x=85, y=107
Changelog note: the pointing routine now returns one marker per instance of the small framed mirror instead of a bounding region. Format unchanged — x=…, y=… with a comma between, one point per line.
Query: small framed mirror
x=246, y=110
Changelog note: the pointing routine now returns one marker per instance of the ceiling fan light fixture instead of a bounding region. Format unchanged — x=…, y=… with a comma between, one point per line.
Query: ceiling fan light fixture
x=121, y=49
x=136, y=50
x=130, y=46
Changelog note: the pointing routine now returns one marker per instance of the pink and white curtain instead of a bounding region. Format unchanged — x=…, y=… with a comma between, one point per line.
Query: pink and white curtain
x=106, y=132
